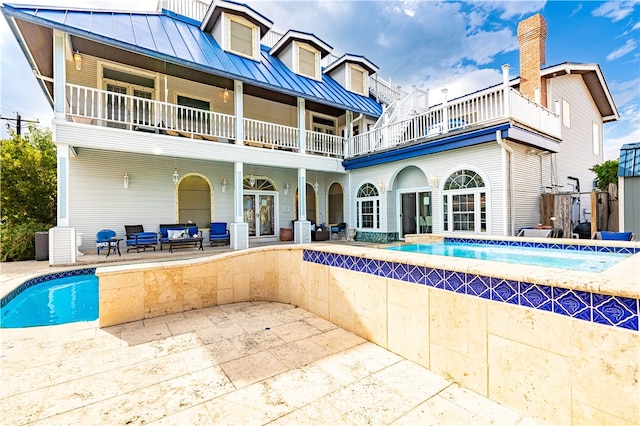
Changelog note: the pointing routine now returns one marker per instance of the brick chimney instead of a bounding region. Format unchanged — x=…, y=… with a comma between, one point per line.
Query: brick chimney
x=532, y=34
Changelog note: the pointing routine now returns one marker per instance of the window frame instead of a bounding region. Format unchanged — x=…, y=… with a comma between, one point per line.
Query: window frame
x=479, y=203
x=352, y=68
x=316, y=60
x=372, y=202
x=255, y=46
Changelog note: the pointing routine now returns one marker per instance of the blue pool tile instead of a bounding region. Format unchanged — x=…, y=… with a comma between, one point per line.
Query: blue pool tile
x=536, y=296
x=504, y=290
x=417, y=275
x=349, y=262
x=617, y=311
x=454, y=281
x=371, y=266
x=401, y=271
x=573, y=303
x=435, y=278
x=479, y=286
x=386, y=269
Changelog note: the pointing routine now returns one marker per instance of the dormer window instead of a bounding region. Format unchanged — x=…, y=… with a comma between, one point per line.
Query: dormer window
x=308, y=61
x=357, y=80
x=243, y=37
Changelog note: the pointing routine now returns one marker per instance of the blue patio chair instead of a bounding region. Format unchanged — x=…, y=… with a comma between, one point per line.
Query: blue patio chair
x=218, y=233
x=103, y=240
x=337, y=229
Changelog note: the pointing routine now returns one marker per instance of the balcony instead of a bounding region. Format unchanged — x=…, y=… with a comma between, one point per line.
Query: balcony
x=466, y=113
x=108, y=109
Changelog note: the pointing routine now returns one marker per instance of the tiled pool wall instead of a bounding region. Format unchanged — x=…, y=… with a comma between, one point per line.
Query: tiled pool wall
x=603, y=309
x=561, y=357
x=561, y=244
x=43, y=278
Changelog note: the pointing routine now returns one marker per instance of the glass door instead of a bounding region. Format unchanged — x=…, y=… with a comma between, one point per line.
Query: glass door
x=259, y=213
x=416, y=213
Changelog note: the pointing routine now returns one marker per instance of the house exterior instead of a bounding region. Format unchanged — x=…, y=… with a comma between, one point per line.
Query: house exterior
x=200, y=112
x=629, y=188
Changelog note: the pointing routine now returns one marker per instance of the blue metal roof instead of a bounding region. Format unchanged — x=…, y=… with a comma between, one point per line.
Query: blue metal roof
x=174, y=38
x=629, y=163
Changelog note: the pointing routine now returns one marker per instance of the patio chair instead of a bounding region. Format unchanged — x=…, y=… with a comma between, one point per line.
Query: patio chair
x=218, y=233
x=138, y=239
x=337, y=229
x=103, y=240
x=614, y=236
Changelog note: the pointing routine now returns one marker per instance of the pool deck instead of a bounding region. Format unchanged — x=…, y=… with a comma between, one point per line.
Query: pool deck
x=243, y=363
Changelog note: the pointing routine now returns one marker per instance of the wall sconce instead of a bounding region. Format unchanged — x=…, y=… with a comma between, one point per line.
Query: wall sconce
x=381, y=186
x=225, y=96
x=125, y=180
x=316, y=186
x=224, y=185
x=252, y=180
x=176, y=176
x=286, y=189
x=78, y=60
x=433, y=180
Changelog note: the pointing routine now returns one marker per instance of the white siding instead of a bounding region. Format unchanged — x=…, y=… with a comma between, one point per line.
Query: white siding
x=340, y=75
x=576, y=151
x=286, y=56
x=485, y=159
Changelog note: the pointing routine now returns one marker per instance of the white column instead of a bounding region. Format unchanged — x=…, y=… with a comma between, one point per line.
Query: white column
x=239, y=111
x=445, y=112
x=63, y=184
x=302, y=227
x=302, y=131
x=59, y=74
x=238, y=229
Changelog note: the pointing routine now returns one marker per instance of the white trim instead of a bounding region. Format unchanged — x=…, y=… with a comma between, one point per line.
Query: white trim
x=486, y=189
x=255, y=36
x=296, y=59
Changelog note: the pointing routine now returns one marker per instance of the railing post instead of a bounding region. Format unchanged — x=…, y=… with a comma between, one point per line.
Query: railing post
x=505, y=84
x=239, y=112
x=445, y=111
x=302, y=134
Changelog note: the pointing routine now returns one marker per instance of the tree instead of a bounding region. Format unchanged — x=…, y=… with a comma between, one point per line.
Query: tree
x=27, y=192
x=606, y=173
x=28, y=178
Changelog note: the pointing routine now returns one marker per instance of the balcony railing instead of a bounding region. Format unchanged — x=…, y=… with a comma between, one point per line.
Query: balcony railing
x=468, y=112
x=324, y=144
x=103, y=108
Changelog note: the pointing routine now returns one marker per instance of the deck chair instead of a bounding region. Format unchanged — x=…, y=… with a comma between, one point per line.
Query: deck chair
x=337, y=229
x=103, y=240
x=218, y=233
x=614, y=236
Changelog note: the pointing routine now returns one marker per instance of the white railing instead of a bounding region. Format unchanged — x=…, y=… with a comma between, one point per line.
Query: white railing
x=463, y=113
x=194, y=9
x=531, y=114
x=269, y=135
x=384, y=90
x=325, y=144
x=100, y=107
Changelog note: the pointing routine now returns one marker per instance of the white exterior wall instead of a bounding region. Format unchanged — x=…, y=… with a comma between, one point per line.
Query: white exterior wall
x=484, y=159
x=576, y=154
x=151, y=196
x=532, y=173
x=340, y=75
x=286, y=56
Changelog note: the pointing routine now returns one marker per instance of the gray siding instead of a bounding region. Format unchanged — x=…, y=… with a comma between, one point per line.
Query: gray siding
x=632, y=205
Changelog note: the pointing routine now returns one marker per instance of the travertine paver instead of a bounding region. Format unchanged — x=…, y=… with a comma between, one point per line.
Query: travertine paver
x=244, y=363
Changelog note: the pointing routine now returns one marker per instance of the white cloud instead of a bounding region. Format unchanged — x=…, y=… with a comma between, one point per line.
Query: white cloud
x=483, y=46
x=615, y=10
x=629, y=46
x=512, y=9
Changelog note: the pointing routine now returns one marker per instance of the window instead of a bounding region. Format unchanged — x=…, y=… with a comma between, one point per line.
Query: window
x=465, y=202
x=307, y=61
x=368, y=207
x=566, y=113
x=595, y=129
x=357, y=80
x=241, y=38
x=130, y=98
x=194, y=115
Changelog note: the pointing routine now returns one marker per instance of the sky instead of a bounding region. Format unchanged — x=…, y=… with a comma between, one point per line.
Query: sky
x=433, y=45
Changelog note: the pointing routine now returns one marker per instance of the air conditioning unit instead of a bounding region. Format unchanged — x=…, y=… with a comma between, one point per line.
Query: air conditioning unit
x=62, y=245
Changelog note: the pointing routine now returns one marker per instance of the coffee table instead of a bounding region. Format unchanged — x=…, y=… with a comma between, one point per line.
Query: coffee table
x=185, y=242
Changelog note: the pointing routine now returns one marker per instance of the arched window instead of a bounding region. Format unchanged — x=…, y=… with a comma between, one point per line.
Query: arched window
x=464, y=202
x=368, y=207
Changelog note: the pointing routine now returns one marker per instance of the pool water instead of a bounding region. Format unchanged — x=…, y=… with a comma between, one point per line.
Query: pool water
x=57, y=301
x=576, y=260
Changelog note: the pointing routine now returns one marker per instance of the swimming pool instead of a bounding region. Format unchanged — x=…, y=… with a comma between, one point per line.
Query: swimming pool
x=576, y=260
x=52, y=299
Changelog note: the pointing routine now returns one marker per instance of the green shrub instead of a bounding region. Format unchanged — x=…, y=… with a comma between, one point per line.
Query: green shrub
x=17, y=240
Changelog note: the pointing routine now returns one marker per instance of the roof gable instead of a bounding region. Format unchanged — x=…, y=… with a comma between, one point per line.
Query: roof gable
x=308, y=38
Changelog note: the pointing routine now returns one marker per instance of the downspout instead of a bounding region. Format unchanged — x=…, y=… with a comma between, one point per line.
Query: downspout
x=507, y=213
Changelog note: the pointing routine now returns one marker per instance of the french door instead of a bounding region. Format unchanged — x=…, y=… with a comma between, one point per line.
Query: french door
x=259, y=213
x=416, y=213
